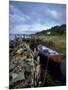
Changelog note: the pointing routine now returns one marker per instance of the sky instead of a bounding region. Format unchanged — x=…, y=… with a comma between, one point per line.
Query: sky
x=29, y=17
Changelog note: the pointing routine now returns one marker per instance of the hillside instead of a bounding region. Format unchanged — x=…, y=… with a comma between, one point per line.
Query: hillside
x=56, y=30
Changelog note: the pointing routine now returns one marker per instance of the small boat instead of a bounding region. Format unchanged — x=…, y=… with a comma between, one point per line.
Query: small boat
x=51, y=54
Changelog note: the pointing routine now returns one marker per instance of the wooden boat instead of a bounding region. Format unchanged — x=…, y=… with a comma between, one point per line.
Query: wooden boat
x=50, y=54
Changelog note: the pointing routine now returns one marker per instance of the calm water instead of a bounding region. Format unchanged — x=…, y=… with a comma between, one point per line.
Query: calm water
x=11, y=37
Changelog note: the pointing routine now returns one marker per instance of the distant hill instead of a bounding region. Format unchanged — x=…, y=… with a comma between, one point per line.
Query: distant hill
x=56, y=30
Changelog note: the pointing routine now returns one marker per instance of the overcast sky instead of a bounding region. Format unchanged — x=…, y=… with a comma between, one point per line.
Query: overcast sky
x=26, y=17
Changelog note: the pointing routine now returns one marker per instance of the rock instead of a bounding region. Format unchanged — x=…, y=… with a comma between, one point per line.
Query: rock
x=17, y=77
x=22, y=58
x=19, y=51
x=11, y=66
x=14, y=75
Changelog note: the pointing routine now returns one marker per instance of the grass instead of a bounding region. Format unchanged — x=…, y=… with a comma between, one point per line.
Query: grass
x=57, y=42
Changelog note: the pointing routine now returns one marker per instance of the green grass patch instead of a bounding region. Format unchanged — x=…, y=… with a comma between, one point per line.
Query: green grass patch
x=57, y=42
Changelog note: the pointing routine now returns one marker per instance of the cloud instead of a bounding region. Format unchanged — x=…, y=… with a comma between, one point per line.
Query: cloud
x=30, y=18
x=29, y=28
x=16, y=16
x=53, y=13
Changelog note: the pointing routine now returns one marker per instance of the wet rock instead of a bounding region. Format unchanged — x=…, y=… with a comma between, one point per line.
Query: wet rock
x=19, y=51
x=22, y=72
x=14, y=75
